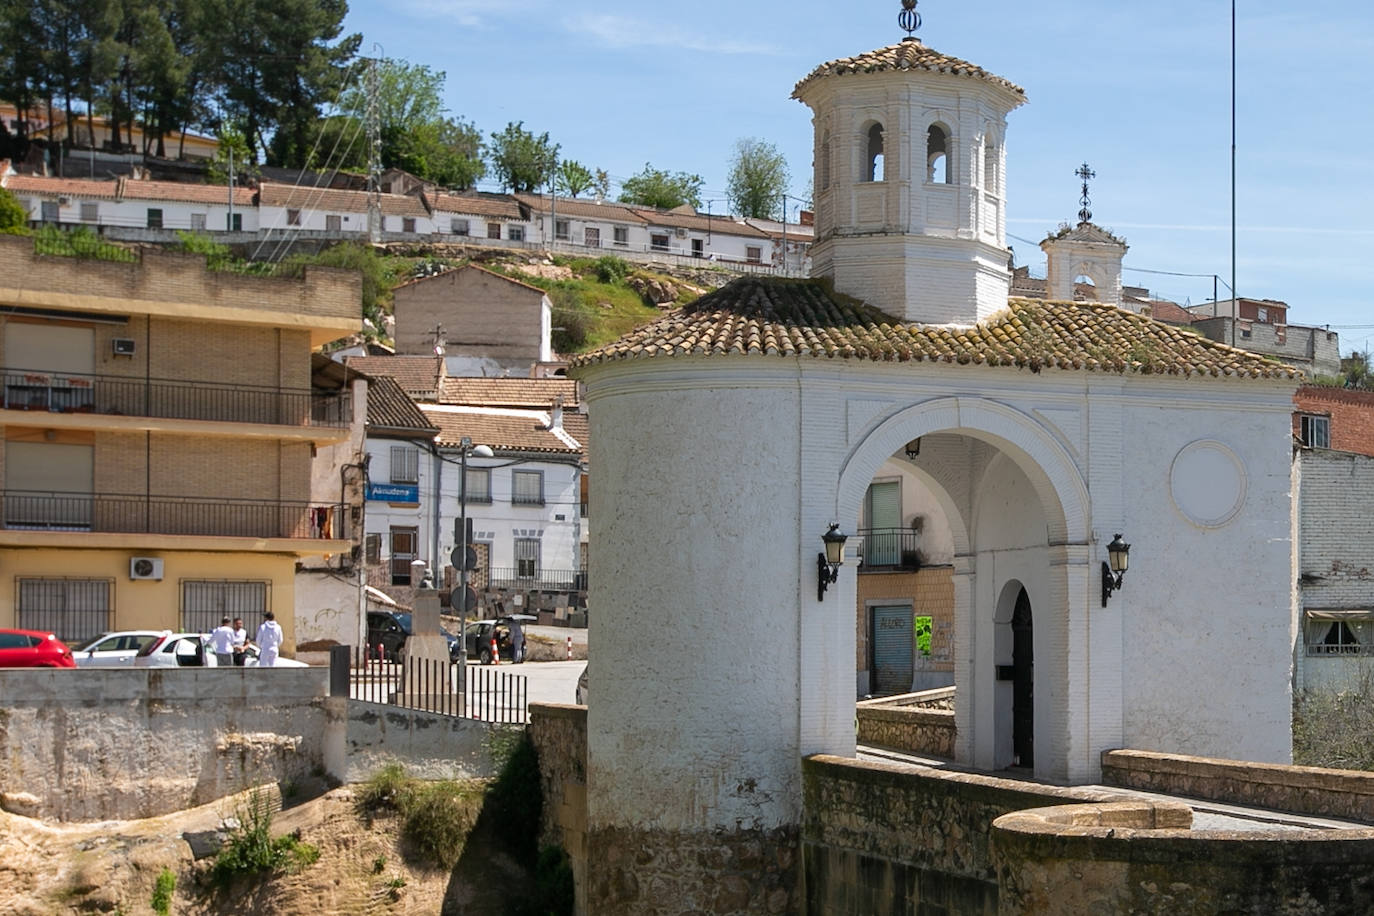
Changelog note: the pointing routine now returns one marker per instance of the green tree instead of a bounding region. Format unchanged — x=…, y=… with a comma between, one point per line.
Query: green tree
x=574, y=177
x=447, y=151
x=1355, y=369
x=601, y=184
x=666, y=191
x=13, y=218
x=758, y=179
x=520, y=160
x=233, y=146
x=408, y=95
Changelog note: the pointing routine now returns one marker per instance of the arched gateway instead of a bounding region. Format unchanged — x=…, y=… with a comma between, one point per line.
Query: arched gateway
x=727, y=436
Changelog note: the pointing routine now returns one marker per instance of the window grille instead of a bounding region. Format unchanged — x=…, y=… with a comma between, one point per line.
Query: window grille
x=405, y=464
x=74, y=609
x=479, y=485
x=527, y=488
x=459, y=227
x=527, y=558
x=205, y=603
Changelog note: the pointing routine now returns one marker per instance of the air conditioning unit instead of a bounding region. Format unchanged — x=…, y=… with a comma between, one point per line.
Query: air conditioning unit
x=681, y=232
x=123, y=346
x=149, y=568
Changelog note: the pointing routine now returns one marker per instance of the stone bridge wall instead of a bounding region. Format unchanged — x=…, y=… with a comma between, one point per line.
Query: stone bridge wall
x=911, y=729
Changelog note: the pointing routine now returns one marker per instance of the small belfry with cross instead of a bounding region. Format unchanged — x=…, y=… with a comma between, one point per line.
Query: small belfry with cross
x=1085, y=215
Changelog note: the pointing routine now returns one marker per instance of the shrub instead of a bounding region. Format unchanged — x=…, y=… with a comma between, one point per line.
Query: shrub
x=438, y=818
x=387, y=789
x=163, y=889
x=13, y=217
x=80, y=242
x=1331, y=727
x=516, y=800
x=611, y=269
x=251, y=851
x=217, y=256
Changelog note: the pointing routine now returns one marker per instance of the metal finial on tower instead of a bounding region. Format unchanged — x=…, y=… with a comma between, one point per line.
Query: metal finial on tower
x=909, y=19
x=1085, y=215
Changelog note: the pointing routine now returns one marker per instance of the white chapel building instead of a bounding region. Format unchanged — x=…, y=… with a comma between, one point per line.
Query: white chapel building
x=734, y=432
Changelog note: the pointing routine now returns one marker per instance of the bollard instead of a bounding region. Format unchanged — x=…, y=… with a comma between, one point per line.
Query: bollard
x=569, y=648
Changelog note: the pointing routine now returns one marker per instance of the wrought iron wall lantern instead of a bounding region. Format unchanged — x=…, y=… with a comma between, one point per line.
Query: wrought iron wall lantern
x=829, y=561
x=1114, y=570
x=913, y=449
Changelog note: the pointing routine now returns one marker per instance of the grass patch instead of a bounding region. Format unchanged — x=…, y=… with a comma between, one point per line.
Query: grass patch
x=436, y=816
x=163, y=889
x=1331, y=728
x=252, y=852
x=80, y=242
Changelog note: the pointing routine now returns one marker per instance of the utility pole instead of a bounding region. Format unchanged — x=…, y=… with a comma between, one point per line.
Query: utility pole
x=230, y=225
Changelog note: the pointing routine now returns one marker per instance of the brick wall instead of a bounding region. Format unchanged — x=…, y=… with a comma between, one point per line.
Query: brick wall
x=487, y=315
x=931, y=593
x=1337, y=557
x=1351, y=412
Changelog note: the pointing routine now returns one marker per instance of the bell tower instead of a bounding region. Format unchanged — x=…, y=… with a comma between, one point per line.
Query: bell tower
x=910, y=171
x=1086, y=250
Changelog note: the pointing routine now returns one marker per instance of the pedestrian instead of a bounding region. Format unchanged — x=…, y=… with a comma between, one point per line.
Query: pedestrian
x=222, y=641
x=240, y=642
x=517, y=642
x=269, y=641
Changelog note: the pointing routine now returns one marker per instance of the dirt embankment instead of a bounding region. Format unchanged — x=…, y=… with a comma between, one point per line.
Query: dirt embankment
x=112, y=867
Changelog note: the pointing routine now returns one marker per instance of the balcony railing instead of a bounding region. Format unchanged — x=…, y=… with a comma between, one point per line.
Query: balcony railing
x=889, y=549
x=547, y=580
x=28, y=510
x=1346, y=649
x=171, y=399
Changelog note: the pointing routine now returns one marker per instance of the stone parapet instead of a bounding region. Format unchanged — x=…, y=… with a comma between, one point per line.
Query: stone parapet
x=1347, y=794
x=912, y=729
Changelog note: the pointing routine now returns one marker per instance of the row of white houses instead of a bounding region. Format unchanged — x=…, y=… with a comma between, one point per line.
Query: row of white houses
x=154, y=210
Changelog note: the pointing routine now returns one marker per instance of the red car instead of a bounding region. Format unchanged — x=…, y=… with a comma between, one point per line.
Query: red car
x=33, y=649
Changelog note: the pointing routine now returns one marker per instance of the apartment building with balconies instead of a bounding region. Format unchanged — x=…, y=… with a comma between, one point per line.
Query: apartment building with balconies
x=158, y=423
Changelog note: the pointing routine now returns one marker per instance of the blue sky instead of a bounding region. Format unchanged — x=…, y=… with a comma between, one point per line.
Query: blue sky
x=1141, y=91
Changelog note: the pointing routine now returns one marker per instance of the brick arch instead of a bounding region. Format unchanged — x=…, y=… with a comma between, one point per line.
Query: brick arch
x=1045, y=462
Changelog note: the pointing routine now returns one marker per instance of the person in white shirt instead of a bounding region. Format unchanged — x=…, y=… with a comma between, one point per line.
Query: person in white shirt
x=222, y=642
x=269, y=641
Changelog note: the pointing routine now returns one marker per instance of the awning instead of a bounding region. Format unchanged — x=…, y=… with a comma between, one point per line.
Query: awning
x=1346, y=614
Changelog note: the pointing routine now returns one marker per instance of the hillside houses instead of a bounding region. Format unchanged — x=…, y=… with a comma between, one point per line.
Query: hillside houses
x=153, y=211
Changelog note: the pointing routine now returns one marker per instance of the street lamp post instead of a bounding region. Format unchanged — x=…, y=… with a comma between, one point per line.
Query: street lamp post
x=461, y=554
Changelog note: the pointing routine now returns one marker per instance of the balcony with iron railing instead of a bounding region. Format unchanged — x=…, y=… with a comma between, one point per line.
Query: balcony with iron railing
x=173, y=399
x=889, y=550
x=544, y=580
x=185, y=516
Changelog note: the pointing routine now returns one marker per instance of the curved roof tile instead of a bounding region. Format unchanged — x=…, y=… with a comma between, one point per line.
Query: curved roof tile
x=909, y=54
x=769, y=316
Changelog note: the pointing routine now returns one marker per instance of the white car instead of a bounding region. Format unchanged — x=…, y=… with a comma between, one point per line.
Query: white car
x=192, y=650
x=113, y=650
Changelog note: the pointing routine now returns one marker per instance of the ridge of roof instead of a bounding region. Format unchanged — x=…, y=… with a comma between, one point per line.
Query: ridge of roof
x=462, y=267
x=909, y=54
x=771, y=316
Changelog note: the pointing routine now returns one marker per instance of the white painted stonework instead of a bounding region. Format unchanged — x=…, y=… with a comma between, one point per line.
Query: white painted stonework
x=1084, y=251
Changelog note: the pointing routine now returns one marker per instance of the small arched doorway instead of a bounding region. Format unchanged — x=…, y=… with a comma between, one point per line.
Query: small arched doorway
x=1022, y=683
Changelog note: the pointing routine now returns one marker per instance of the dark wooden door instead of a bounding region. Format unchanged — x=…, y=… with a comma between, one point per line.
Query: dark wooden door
x=1023, y=683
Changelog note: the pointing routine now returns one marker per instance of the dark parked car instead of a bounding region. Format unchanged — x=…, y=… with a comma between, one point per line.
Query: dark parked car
x=33, y=649
x=481, y=632
x=387, y=632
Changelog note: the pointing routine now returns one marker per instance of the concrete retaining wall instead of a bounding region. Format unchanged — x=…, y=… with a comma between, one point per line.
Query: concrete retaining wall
x=95, y=745
x=1347, y=794
x=559, y=734
x=116, y=744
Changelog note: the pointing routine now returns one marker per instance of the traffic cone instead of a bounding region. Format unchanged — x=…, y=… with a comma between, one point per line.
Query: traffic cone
x=495, y=655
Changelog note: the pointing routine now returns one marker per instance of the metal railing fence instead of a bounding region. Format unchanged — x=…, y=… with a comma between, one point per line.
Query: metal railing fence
x=433, y=686
x=131, y=513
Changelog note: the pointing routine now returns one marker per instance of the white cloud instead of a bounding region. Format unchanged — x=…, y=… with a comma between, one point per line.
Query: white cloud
x=624, y=32
x=470, y=12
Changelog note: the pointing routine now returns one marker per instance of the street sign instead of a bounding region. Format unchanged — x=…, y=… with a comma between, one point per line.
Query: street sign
x=455, y=599
x=455, y=559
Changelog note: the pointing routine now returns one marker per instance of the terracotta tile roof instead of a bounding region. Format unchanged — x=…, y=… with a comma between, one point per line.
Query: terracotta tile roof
x=503, y=430
x=701, y=223
x=576, y=426
x=329, y=199
x=778, y=317
x=906, y=55
x=184, y=191
x=418, y=376
x=61, y=187
x=498, y=206
x=538, y=393
x=389, y=407
x=584, y=209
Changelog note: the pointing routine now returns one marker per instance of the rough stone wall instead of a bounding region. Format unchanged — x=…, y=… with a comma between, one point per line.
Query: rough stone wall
x=916, y=731
x=559, y=734
x=1318, y=791
x=102, y=744
x=1097, y=859
x=1351, y=412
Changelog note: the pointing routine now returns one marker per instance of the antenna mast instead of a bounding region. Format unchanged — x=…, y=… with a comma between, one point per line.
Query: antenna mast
x=374, y=156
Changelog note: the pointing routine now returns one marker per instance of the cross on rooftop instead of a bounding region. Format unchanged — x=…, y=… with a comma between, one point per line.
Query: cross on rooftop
x=909, y=19
x=1085, y=215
